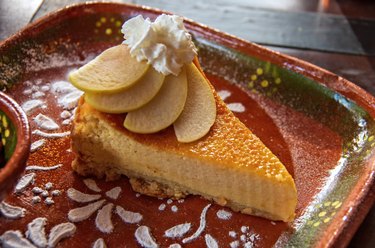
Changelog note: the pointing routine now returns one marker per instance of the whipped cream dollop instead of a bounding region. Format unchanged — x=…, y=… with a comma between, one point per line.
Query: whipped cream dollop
x=164, y=43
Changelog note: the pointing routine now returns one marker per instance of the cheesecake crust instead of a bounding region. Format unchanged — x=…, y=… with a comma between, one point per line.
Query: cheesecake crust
x=159, y=189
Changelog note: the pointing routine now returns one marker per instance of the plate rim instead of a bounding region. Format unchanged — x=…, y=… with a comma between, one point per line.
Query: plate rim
x=364, y=190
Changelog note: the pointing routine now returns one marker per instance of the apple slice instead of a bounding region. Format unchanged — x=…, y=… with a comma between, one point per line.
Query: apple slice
x=163, y=109
x=112, y=71
x=199, y=113
x=130, y=99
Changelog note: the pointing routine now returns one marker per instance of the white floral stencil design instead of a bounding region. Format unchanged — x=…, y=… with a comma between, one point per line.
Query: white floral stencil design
x=11, y=212
x=234, y=107
x=35, y=235
x=145, y=239
x=247, y=237
x=29, y=179
x=95, y=202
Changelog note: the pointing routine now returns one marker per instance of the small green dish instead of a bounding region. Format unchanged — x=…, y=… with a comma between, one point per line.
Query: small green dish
x=14, y=143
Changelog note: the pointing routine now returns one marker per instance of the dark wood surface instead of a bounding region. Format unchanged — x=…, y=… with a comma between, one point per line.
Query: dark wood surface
x=337, y=35
x=15, y=14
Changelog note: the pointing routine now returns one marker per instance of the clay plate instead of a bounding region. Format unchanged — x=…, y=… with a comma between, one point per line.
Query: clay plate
x=320, y=125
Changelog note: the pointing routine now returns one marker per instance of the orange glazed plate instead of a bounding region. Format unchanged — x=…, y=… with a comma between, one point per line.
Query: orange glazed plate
x=320, y=126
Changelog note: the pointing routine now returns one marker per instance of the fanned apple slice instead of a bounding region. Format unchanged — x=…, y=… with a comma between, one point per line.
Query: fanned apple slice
x=163, y=109
x=130, y=99
x=199, y=112
x=112, y=71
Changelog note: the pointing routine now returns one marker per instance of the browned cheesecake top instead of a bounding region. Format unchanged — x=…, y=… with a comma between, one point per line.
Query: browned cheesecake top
x=229, y=143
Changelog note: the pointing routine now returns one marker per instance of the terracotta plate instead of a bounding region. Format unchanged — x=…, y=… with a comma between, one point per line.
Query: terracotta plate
x=320, y=125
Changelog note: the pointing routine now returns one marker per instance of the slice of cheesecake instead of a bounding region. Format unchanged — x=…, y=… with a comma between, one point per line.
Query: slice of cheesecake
x=229, y=165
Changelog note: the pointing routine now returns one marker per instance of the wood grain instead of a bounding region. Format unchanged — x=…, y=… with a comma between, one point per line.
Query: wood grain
x=303, y=30
x=15, y=14
x=306, y=30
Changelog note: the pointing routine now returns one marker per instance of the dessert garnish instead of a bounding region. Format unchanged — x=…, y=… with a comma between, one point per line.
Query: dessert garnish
x=152, y=78
x=164, y=43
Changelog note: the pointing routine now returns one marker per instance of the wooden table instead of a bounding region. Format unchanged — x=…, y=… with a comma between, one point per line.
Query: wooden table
x=336, y=35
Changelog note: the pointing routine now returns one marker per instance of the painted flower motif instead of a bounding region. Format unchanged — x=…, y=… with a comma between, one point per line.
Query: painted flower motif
x=265, y=80
x=95, y=202
x=247, y=237
x=145, y=238
x=35, y=235
x=234, y=107
x=324, y=213
x=46, y=192
x=11, y=212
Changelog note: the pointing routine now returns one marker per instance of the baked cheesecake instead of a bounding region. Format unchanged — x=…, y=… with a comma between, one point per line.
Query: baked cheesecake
x=219, y=158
